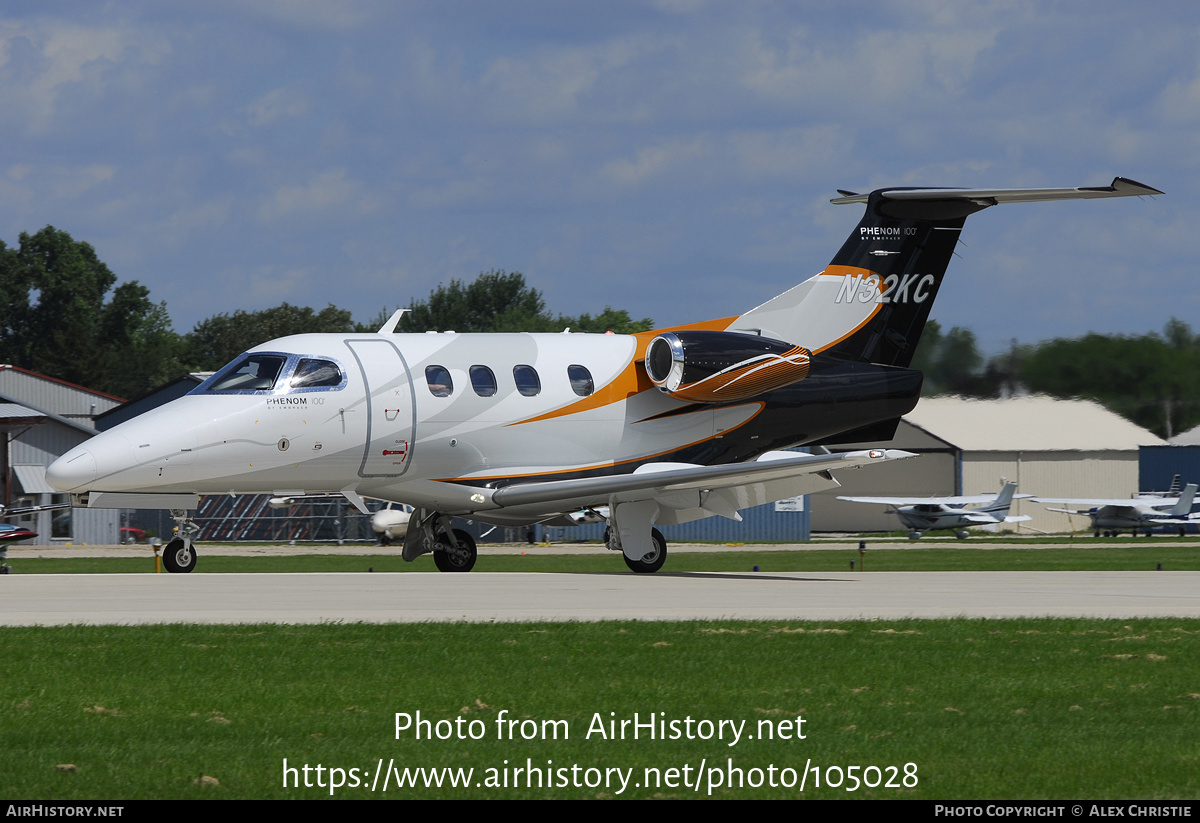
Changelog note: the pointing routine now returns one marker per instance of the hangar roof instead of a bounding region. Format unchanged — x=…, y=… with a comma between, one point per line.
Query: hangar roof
x=1033, y=423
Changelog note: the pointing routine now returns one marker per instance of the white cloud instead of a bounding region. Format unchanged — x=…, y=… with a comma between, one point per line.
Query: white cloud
x=652, y=161
x=278, y=104
x=326, y=191
x=42, y=58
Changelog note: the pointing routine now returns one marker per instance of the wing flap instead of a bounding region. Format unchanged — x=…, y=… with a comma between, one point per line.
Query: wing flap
x=688, y=488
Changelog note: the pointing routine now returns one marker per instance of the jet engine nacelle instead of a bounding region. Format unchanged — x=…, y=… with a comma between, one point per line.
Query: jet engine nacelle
x=719, y=366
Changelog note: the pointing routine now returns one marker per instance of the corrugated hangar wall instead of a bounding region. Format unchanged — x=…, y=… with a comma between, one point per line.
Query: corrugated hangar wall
x=1077, y=474
x=934, y=472
x=931, y=474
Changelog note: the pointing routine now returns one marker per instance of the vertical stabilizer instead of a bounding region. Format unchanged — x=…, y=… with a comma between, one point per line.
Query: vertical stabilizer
x=1003, y=501
x=1184, y=506
x=872, y=301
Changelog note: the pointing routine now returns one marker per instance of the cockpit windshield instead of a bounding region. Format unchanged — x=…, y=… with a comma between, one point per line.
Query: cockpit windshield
x=255, y=372
x=277, y=373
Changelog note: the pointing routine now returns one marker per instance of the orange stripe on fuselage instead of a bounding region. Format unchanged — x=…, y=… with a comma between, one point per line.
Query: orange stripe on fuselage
x=632, y=380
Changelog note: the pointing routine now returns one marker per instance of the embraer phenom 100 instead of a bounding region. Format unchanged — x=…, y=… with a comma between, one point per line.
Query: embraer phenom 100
x=661, y=427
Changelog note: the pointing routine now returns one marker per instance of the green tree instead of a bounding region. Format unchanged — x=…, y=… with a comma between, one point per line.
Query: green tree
x=617, y=321
x=1150, y=379
x=220, y=338
x=950, y=361
x=59, y=317
x=500, y=301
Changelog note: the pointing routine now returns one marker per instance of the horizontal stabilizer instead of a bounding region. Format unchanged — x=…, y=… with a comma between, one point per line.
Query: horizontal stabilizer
x=1121, y=187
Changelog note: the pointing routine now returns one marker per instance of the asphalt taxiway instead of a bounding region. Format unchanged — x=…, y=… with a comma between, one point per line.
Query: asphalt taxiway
x=482, y=597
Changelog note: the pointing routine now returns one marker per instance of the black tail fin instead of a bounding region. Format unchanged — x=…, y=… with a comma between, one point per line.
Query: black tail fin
x=872, y=301
x=896, y=259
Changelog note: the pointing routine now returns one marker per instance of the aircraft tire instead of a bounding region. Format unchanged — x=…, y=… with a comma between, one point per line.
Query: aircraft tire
x=178, y=557
x=653, y=561
x=449, y=559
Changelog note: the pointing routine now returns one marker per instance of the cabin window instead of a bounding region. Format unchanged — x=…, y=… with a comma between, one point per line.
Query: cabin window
x=438, y=378
x=483, y=380
x=255, y=372
x=581, y=380
x=313, y=373
x=528, y=382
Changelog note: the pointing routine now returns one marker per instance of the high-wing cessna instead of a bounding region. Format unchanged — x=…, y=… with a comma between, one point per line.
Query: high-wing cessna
x=1134, y=513
x=924, y=514
x=661, y=427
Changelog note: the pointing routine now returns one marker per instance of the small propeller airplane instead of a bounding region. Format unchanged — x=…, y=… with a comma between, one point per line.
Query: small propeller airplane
x=1110, y=517
x=660, y=427
x=924, y=514
x=10, y=533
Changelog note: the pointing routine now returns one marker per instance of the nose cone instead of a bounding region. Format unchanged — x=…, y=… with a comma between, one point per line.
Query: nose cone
x=74, y=471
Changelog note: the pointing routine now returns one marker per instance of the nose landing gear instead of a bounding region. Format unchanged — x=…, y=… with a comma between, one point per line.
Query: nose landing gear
x=179, y=556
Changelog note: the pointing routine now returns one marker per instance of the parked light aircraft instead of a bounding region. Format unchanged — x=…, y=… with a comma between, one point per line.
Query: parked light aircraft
x=389, y=523
x=661, y=427
x=1143, y=512
x=14, y=534
x=924, y=514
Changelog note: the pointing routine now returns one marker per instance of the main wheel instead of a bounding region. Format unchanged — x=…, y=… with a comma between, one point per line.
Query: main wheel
x=653, y=560
x=179, y=557
x=455, y=559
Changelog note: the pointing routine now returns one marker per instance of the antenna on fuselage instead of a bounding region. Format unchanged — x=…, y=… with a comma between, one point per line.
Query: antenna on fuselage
x=390, y=326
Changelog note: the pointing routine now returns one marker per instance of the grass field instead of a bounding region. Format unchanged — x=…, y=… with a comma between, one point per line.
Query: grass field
x=984, y=709
x=1097, y=556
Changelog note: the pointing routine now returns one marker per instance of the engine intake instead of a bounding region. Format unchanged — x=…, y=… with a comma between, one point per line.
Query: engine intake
x=720, y=366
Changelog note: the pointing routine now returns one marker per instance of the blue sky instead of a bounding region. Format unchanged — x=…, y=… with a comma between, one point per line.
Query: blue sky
x=672, y=158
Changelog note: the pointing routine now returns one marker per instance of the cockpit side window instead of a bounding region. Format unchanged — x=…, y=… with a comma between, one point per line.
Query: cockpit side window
x=255, y=372
x=438, y=378
x=313, y=373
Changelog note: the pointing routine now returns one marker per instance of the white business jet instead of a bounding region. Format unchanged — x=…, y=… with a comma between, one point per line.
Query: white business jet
x=661, y=427
x=924, y=514
x=1144, y=512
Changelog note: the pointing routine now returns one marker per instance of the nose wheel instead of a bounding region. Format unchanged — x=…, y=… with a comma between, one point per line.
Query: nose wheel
x=179, y=557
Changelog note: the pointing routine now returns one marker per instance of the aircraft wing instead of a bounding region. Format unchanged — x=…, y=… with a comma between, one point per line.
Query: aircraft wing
x=13, y=512
x=916, y=501
x=1120, y=502
x=687, y=492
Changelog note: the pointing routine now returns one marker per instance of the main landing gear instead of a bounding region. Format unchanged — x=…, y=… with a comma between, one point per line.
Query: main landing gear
x=457, y=555
x=651, y=561
x=453, y=549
